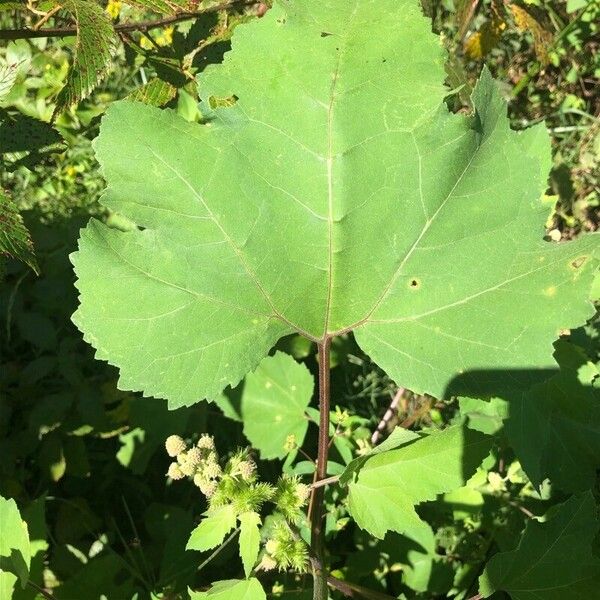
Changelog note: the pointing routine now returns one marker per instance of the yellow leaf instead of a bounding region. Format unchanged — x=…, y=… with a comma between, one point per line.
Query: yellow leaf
x=542, y=39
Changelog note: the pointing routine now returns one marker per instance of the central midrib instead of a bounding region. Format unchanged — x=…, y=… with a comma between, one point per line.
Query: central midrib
x=330, y=157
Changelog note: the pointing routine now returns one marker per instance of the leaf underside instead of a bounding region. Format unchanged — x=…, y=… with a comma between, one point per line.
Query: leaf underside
x=337, y=193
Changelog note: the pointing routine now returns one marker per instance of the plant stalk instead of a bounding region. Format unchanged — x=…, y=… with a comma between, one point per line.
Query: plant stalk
x=317, y=538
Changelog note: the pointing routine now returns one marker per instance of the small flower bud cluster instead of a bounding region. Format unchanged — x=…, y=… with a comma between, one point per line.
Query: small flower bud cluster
x=175, y=445
x=200, y=462
x=290, y=496
x=241, y=466
x=284, y=550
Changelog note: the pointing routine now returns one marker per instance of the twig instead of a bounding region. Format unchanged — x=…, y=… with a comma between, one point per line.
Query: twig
x=143, y=26
x=47, y=16
x=326, y=481
x=40, y=590
x=389, y=413
x=417, y=414
x=218, y=550
x=524, y=510
x=352, y=590
x=476, y=597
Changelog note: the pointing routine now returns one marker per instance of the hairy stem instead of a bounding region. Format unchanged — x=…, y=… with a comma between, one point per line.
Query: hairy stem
x=316, y=518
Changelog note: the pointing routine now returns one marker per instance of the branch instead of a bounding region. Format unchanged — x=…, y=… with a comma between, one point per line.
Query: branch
x=40, y=590
x=389, y=413
x=144, y=26
x=352, y=590
x=327, y=481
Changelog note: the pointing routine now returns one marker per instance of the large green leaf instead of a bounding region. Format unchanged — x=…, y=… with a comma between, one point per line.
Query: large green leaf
x=93, y=49
x=555, y=427
x=273, y=404
x=554, y=559
x=15, y=551
x=332, y=191
x=382, y=495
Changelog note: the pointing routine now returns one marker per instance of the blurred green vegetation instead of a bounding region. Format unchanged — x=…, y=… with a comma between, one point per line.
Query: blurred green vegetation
x=85, y=461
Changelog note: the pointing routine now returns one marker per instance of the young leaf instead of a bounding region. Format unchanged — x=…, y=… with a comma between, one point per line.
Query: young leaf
x=554, y=558
x=249, y=589
x=335, y=193
x=93, y=49
x=386, y=488
x=273, y=402
x=249, y=540
x=15, y=551
x=15, y=240
x=212, y=529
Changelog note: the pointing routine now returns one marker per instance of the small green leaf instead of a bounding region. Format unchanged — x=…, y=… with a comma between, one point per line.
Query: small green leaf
x=15, y=240
x=93, y=50
x=399, y=437
x=386, y=488
x=575, y=5
x=212, y=529
x=155, y=93
x=273, y=404
x=486, y=416
x=249, y=540
x=554, y=559
x=248, y=589
x=15, y=551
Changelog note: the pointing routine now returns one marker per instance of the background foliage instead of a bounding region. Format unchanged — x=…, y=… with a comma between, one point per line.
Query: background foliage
x=85, y=462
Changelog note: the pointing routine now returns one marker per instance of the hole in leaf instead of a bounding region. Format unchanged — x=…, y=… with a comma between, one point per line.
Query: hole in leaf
x=415, y=284
x=325, y=34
